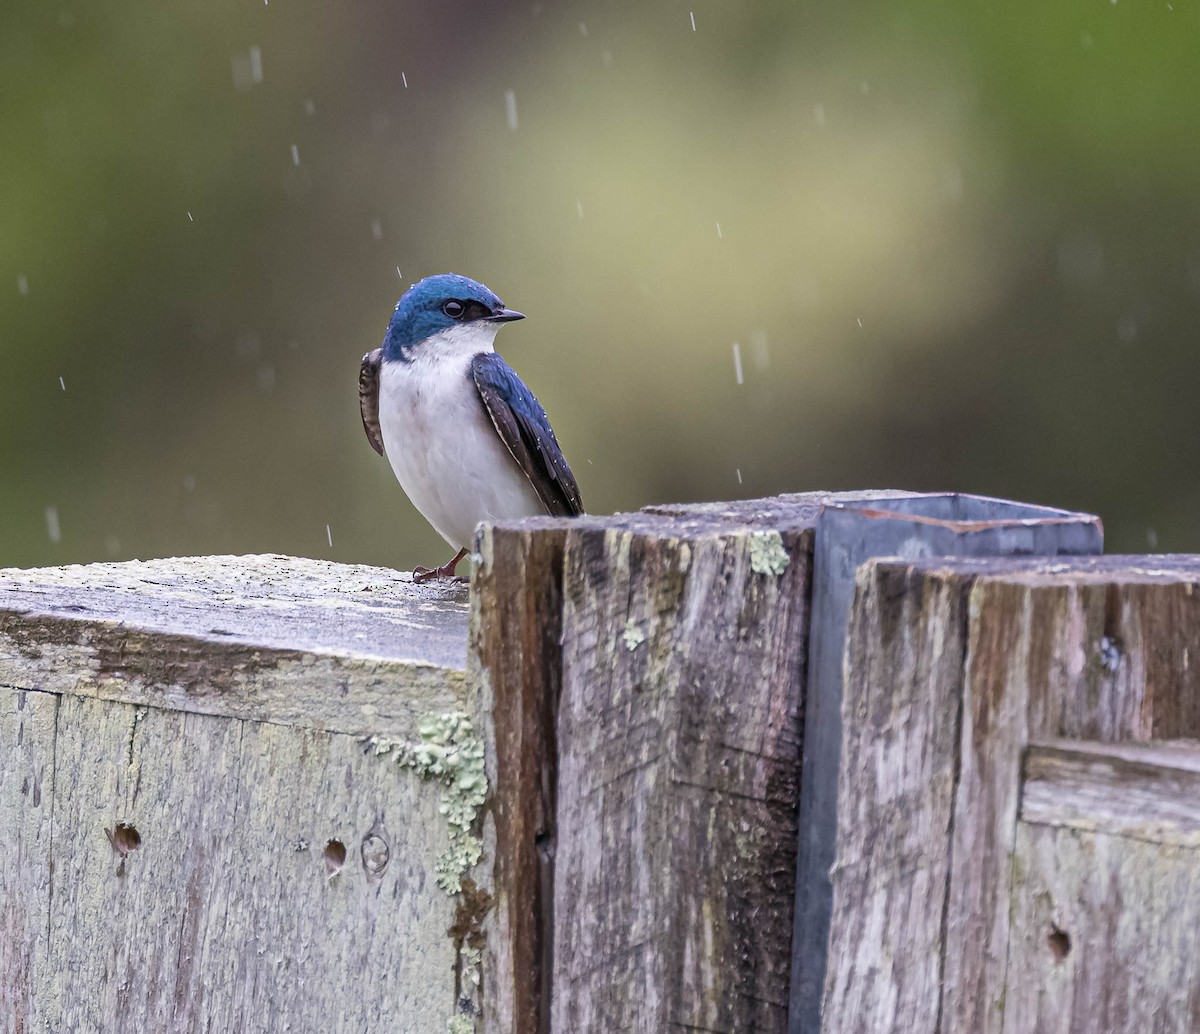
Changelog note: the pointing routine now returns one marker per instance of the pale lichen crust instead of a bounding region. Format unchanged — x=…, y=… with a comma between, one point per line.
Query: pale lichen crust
x=450, y=753
x=767, y=554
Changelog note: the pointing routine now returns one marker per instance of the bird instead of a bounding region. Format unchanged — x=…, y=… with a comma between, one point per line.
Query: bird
x=466, y=439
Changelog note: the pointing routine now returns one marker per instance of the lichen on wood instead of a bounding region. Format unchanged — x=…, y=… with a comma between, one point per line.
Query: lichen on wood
x=767, y=554
x=450, y=753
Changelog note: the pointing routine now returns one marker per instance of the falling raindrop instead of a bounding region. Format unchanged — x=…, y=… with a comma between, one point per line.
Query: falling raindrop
x=52, y=526
x=860, y=321
x=404, y=80
x=739, y=474
x=62, y=384
x=398, y=273
x=295, y=155
x=22, y=284
x=190, y=219
x=256, y=72
x=329, y=536
x=693, y=17
x=720, y=235
x=510, y=108
x=377, y=229
x=737, y=362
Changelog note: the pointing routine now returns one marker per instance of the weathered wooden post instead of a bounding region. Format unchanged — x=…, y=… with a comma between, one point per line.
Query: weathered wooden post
x=669, y=655
x=243, y=793
x=1019, y=849
x=850, y=531
x=194, y=836
x=670, y=688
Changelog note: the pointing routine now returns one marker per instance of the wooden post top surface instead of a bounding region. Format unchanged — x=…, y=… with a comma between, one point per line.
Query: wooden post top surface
x=1131, y=569
x=284, y=639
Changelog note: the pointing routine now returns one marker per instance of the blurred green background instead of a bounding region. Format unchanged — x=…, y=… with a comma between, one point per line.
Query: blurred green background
x=958, y=247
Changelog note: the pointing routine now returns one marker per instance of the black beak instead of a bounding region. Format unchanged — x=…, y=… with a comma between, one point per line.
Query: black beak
x=504, y=316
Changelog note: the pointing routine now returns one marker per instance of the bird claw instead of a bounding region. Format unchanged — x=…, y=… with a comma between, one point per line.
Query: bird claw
x=432, y=574
x=429, y=574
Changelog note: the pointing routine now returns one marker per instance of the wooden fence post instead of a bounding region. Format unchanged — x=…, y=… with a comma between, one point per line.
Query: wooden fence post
x=848, y=533
x=198, y=771
x=988, y=883
x=195, y=836
x=685, y=636
x=679, y=650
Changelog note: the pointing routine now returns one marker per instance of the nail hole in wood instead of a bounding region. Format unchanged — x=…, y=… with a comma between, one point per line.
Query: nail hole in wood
x=334, y=855
x=1060, y=943
x=123, y=838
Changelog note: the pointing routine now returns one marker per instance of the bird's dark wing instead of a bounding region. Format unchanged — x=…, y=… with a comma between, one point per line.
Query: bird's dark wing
x=522, y=425
x=368, y=397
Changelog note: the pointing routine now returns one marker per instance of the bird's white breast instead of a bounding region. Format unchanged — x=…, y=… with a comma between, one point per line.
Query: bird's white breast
x=440, y=440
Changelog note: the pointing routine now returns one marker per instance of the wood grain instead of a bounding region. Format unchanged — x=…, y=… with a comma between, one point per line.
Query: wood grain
x=899, y=762
x=228, y=916
x=1073, y=649
x=1097, y=649
x=27, y=724
x=1148, y=792
x=279, y=639
x=515, y=664
x=683, y=657
x=1105, y=935
x=180, y=867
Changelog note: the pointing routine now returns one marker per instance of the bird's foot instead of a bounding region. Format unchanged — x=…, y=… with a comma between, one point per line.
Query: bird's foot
x=429, y=574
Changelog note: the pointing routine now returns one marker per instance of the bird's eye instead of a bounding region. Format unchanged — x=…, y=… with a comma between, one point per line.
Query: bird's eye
x=453, y=309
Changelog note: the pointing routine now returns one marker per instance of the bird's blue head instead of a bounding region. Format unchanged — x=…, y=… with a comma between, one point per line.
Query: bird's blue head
x=439, y=303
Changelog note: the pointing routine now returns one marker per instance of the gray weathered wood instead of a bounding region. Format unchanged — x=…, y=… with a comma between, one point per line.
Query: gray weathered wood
x=1148, y=792
x=282, y=875
x=848, y=532
x=1074, y=650
x=1090, y=648
x=1105, y=896
x=683, y=651
x=899, y=760
x=1105, y=935
x=281, y=639
x=27, y=723
x=227, y=917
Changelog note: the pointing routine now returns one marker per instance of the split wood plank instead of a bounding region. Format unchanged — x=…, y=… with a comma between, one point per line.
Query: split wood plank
x=899, y=763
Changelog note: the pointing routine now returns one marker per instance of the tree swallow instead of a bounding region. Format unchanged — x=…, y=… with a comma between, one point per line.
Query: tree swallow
x=467, y=440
